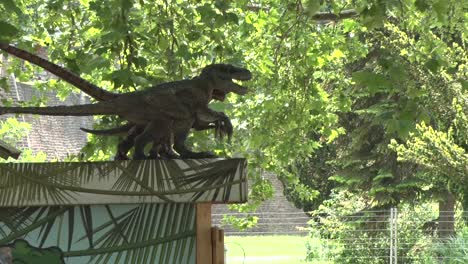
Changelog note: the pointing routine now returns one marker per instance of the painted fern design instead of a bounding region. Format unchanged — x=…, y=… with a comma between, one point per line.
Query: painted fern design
x=68, y=183
x=146, y=233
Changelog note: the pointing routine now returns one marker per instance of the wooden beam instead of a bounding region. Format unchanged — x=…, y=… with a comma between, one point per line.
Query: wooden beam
x=203, y=231
x=217, y=238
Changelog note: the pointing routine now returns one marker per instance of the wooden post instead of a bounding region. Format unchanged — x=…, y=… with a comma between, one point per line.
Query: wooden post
x=217, y=238
x=203, y=229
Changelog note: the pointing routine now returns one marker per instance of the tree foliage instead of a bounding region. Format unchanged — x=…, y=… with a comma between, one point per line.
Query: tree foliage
x=352, y=75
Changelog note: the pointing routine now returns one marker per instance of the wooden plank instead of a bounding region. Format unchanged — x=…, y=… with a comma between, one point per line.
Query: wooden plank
x=203, y=231
x=217, y=239
x=123, y=182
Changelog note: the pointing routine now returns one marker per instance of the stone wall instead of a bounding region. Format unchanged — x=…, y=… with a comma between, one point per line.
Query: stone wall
x=57, y=136
x=277, y=216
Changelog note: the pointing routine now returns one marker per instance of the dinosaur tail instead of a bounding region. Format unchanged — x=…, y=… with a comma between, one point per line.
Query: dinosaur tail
x=63, y=110
x=111, y=131
x=73, y=79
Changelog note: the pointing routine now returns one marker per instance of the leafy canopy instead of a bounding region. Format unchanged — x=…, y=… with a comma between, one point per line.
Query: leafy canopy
x=353, y=75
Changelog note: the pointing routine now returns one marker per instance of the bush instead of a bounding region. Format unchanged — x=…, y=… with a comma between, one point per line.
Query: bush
x=344, y=230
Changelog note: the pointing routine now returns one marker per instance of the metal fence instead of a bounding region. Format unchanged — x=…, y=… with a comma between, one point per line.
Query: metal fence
x=389, y=236
x=407, y=235
x=270, y=223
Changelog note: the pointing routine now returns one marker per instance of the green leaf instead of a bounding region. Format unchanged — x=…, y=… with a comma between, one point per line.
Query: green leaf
x=121, y=77
x=421, y=5
x=464, y=84
x=441, y=8
x=141, y=62
x=10, y=5
x=374, y=16
x=336, y=54
x=72, y=65
x=163, y=43
x=375, y=82
x=7, y=30
x=312, y=6
x=218, y=106
x=231, y=17
x=207, y=13
x=433, y=64
x=97, y=62
x=222, y=5
x=349, y=25
x=62, y=94
x=4, y=84
x=140, y=80
x=383, y=174
x=127, y=4
x=110, y=36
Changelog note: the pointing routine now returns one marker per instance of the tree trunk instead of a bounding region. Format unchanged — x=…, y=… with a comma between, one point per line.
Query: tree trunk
x=446, y=227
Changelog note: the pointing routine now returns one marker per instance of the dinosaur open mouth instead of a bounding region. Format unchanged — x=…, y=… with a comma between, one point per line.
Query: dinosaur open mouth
x=238, y=89
x=218, y=95
x=243, y=75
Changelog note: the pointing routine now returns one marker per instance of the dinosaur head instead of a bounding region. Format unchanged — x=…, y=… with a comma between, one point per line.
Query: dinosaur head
x=227, y=72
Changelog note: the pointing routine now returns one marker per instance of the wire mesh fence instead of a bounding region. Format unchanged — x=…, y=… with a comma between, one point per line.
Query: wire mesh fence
x=390, y=236
x=407, y=235
x=268, y=223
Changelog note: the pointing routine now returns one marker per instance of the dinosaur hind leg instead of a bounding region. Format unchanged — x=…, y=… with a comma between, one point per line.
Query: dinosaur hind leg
x=127, y=143
x=156, y=131
x=185, y=153
x=164, y=150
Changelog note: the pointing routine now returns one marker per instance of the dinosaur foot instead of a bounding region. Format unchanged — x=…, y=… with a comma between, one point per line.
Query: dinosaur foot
x=139, y=157
x=163, y=156
x=198, y=155
x=121, y=156
x=168, y=155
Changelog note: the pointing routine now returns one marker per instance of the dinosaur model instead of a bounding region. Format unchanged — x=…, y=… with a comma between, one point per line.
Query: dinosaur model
x=156, y=110
x=222, y=129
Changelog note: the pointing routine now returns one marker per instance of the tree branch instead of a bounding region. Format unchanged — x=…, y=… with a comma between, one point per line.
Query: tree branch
x=8, y=151
x=319, y=16
x=328, y=16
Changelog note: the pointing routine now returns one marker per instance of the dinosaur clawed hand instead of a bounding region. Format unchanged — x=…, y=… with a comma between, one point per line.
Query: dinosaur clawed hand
x=223, y=127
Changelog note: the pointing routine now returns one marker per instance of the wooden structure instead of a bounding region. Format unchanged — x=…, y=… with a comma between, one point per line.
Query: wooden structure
x=149, y=211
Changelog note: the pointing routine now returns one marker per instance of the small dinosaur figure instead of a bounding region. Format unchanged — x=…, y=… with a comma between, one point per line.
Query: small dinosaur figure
x=154, y=111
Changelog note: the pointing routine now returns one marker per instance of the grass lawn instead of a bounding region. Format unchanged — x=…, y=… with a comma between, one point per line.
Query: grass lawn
x=266, y=249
